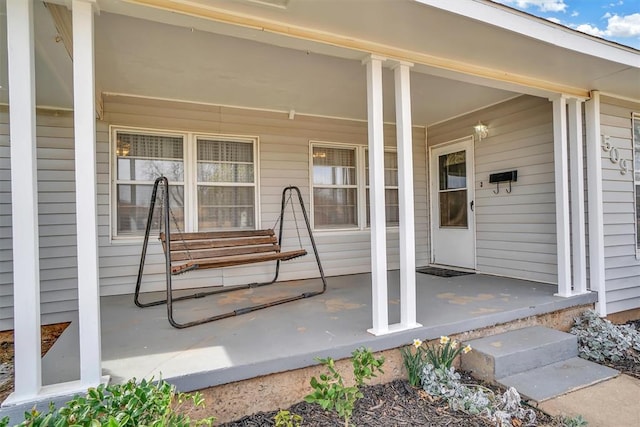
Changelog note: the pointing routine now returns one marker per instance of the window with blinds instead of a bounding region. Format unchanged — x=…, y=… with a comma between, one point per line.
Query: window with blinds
x=226, y=184
x=391, y=198
x=140, y=159
x=335, y=190
x=216, y=190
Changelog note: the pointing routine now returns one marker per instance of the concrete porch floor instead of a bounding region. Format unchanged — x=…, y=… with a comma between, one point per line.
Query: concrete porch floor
x=140, y=343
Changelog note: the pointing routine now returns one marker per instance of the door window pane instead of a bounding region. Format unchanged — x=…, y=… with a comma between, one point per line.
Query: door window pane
x=453, y=208
x=452, y=169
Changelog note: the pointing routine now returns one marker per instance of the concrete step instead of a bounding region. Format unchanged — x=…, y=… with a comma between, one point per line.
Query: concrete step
x=558, y=378
x=512, y=352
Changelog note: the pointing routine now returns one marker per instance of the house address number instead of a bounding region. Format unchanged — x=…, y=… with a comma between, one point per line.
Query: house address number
x=614, y=155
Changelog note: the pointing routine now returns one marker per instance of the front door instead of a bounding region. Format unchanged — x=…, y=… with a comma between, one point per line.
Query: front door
x=452, y=201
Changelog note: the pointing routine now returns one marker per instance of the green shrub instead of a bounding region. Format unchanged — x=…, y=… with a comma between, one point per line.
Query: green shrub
x=122, y=405
x=330, y=391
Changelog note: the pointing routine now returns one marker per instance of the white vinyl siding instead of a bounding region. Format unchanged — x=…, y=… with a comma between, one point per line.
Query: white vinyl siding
x=56, y=213
x=284, y=158
x=515, y=232
x=622, y=266
x=636, y=176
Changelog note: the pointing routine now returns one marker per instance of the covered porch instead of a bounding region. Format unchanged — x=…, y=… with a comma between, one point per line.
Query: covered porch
x=204, y=70
x=140, y=343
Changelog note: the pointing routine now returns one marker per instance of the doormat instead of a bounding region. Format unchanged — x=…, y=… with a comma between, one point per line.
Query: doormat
x=442, y=272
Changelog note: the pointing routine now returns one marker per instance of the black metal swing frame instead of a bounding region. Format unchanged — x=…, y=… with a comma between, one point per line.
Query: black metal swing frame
x=170, y=299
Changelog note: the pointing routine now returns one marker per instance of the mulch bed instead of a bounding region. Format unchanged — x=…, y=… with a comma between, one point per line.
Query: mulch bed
x=627, y=366
x=385, y=405
x=49, y=335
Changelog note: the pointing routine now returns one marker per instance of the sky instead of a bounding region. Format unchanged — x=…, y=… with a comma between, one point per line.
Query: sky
x=615, y=20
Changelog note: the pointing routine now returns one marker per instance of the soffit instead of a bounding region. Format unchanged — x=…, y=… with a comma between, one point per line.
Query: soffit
x=406, y=25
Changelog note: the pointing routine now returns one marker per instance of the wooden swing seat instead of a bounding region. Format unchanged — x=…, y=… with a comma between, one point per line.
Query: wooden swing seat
x=216, y=249
x=192, y=251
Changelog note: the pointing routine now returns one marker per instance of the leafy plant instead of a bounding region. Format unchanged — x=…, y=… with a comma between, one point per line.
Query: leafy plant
x=413, y=358
x=602, y=341
x=475, y=399
x=576, y=421
x=365, y=365
x=122, y=405
x=331, y=393
x=444, y=353
x=287, y=419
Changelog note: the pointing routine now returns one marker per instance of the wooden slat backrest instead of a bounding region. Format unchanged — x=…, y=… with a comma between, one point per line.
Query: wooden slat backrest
x=211, y=235
x=193, y=245
x=224, y=248
x=219, y=253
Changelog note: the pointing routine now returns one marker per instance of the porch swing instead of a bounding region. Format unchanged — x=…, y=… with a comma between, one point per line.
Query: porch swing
x=186, y=252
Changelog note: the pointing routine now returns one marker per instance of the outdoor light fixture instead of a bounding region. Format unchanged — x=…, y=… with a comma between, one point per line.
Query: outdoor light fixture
x=481, y=130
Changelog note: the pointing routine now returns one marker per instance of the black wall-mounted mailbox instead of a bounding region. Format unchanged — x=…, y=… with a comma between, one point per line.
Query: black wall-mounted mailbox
x=504, y=176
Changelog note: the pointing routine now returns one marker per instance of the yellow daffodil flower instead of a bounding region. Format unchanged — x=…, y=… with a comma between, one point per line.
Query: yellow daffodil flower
x=444, y=340
x=417, y=343
x=454, y=344
x=467, y=349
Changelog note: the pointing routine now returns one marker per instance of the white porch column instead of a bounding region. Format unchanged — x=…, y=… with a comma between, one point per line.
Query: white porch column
x=85, y=153
x=379, y=305
x=24, y=202
x=595, y=204
x=578, y=238
x=404, y=137
x=560, y=158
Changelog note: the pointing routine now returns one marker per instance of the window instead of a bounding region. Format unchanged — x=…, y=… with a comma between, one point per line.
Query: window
x=391, y=198
x=140, y=159
x=225, y=184
x=340, y=179
x=452, y=192
x=335, y=190
x=214, y=191
x=636, y=172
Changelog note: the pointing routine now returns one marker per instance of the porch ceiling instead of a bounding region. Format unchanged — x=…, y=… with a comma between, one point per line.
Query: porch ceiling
x=156, y=52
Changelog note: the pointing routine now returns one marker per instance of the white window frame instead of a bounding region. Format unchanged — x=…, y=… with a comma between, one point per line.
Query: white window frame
x=196, y=183
x=190, y=182
x=361, y=186
x=365, y=155
x=357, y=186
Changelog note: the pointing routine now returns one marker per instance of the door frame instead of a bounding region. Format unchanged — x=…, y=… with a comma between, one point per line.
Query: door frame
x=471, y=187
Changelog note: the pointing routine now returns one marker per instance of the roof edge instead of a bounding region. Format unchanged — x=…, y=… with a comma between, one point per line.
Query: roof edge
x=538, y=28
